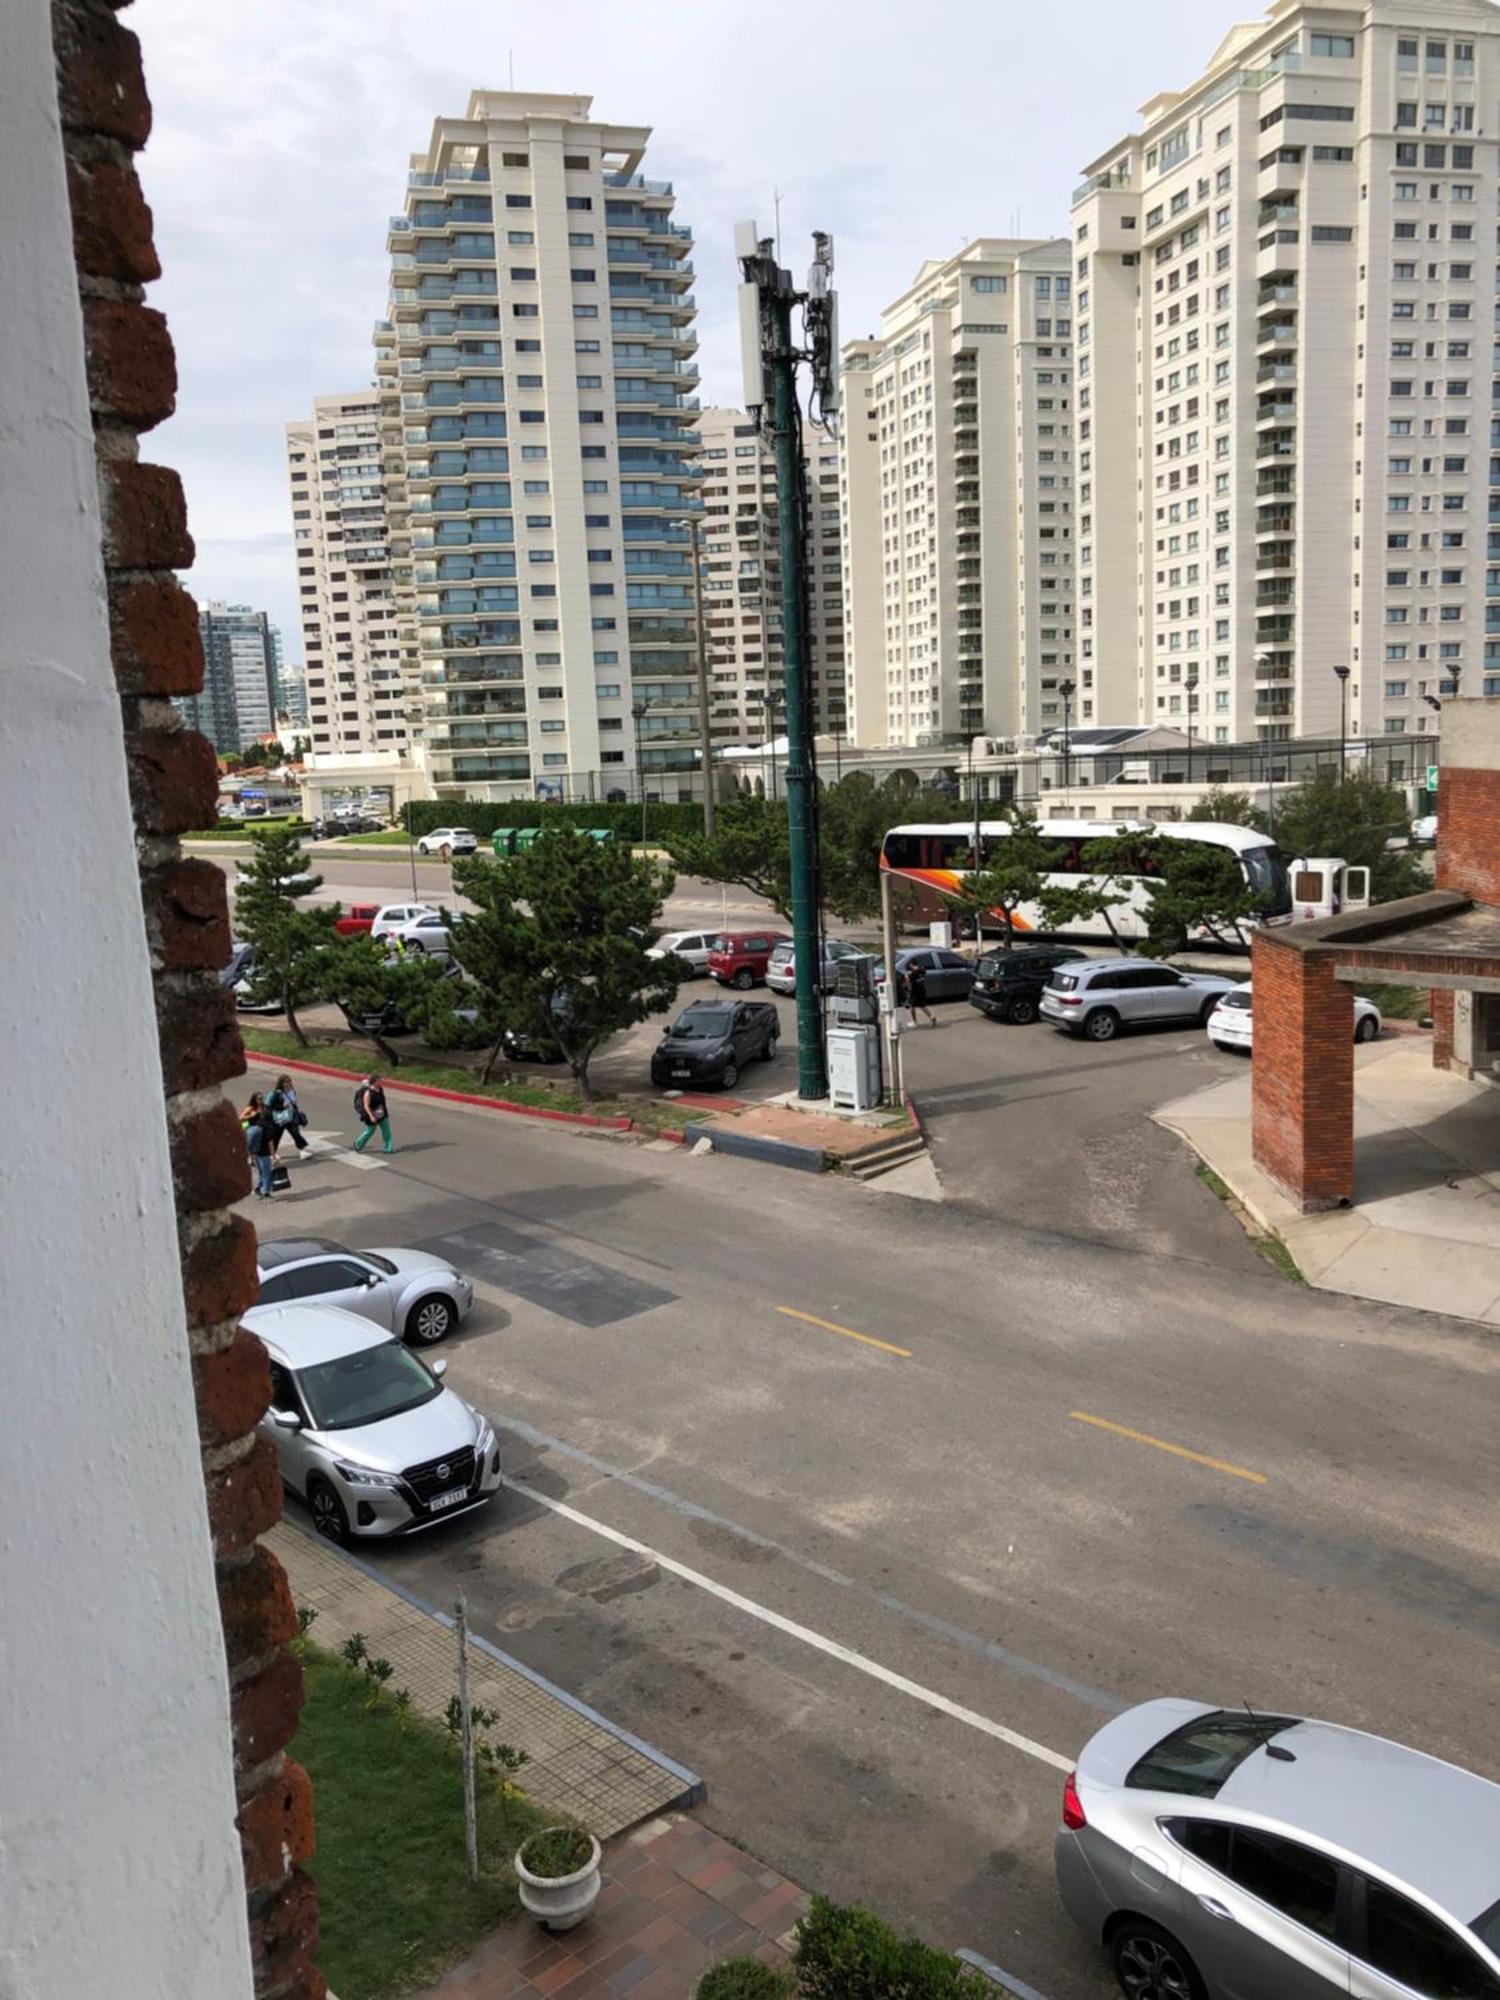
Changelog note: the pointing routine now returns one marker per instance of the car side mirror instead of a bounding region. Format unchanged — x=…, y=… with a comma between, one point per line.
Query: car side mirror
x=372, y=1281
x=285, y=1420
x=439, y=1368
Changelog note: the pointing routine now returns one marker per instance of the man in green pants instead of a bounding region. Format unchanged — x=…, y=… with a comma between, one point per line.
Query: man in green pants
x=369, y=1102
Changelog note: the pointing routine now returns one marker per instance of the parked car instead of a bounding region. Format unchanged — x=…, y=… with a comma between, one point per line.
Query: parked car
x=357, y=919
x=1230, y=1023
x=391, y=916
x=949, y=973
x=238, y=975
x=364, y=1430
x=431, y=933
x=1008, y=984
x=1424, y=830
x=691, y=947
x=1099, y=996
x=448, y=841
x=412, y=1294
x=525, y=1045
x=1223, y=1854
x=239, y=964
x=712, y=1040
x=740, y=958
x=781, y=967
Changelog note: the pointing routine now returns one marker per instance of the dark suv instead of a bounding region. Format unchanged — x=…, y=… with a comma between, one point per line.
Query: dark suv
x=1008, y=984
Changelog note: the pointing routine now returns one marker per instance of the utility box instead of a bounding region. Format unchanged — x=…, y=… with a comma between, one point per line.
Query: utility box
x=941, y=935
x=853, y=1000
x=853, y=1069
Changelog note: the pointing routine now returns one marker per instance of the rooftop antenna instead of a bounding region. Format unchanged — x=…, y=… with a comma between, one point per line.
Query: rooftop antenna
x=1267, y=1739
x=510, y=62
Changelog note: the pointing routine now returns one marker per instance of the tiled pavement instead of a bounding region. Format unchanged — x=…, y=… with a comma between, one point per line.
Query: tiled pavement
x=676, y=1900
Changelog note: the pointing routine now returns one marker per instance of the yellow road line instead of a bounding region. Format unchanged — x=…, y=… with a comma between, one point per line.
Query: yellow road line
x=1177, y=1450
x=848, y=1332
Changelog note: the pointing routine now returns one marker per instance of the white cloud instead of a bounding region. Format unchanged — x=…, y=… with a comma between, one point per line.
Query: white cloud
x=283, y=128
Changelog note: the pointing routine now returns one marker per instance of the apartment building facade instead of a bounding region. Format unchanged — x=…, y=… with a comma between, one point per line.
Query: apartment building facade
x=742, y=580
x=362, y=695
x=1284, y=303
x=534, y=373
x=241, y=674
x=956, y=496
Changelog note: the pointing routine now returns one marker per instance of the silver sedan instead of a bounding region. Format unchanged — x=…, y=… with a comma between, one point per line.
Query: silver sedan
x=410, y=1293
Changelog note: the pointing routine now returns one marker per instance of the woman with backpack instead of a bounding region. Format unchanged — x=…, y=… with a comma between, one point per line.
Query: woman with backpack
x=286, y=1119
x=369, y=1103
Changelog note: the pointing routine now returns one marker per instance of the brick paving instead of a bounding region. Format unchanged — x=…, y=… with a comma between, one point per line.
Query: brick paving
x=676, y=1900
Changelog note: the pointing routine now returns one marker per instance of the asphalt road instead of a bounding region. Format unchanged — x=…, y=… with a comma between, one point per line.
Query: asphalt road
x=878, y=1594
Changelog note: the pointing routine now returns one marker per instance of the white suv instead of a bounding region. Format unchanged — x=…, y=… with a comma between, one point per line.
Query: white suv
x=448, y=841
x=1096, y=996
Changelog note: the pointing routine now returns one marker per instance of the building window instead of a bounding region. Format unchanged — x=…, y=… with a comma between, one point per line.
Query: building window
x=1330, y=45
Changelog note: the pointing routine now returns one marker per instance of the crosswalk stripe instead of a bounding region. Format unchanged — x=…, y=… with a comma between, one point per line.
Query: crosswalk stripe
x=336, y=1147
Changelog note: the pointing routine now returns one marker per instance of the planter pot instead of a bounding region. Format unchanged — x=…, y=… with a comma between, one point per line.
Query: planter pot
x=559, y=1902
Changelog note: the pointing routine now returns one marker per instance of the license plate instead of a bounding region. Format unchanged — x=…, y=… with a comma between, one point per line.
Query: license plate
x=441, y=1500
x=682, y=1072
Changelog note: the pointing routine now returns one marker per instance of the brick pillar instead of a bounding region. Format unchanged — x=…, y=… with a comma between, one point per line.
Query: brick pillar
x=106, y=116
x=1302, y=1078
x=1440, y=1005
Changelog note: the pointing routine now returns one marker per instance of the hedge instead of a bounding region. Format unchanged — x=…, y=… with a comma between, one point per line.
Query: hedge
x=662, y=820
x=743, y=1979
x=849, y=1954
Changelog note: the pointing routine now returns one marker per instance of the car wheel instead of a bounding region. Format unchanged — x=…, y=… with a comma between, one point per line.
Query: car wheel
x=1102, y=1025
x=1205, y=1011
x=730, y=1077
x=1151, y=1965
x=744, y=979
x=768, y=1053
x=1366, y=1028
x=429, y=1321
x=1021, y=1012
x=328, y=1514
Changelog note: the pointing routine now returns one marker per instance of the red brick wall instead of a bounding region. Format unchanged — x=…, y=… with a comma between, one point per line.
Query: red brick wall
x=1468, y=851
x=1440, y=1002
x=106, y=117
x=1302, y=1079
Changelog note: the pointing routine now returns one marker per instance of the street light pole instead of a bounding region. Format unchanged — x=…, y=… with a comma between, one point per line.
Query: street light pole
x=710, y=809
x=1067, y=689
x=1190, y=689
x=638, y=711
x=1264, y=660
x=1343, y=677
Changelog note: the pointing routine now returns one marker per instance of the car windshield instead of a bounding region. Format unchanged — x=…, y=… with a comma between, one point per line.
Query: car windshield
x=704, y=1024
x=381, y=1263
x=364, y=1388
x=1240, y=1001
x=1197, y=1758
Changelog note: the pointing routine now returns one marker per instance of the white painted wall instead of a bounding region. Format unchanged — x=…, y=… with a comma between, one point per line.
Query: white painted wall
x=119, y=1863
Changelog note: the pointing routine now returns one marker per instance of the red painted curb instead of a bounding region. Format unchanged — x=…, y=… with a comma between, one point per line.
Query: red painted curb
x=450, y=1096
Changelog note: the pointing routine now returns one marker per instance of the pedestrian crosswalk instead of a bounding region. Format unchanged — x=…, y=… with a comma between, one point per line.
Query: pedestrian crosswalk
x=336, y=1146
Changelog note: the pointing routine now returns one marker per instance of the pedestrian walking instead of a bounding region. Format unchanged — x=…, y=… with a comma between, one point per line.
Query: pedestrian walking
x=257, y=1126
x=916, y=993
x=287, y=1120
x=369, y=1102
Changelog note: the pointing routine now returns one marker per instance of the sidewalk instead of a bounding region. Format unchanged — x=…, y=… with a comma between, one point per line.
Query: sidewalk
x=676, y=1899
x=581, y=1765
x=1424, y=1229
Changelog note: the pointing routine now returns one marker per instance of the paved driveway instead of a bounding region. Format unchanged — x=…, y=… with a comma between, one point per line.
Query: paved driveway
x=1054, y=1133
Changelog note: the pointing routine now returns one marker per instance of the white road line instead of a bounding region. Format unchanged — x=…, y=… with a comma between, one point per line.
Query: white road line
x=927, y=1696
x=330, y=1146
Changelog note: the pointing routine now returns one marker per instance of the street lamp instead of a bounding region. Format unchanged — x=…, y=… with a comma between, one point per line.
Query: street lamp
x=638, y=710
x=1343, y=675
x=1190, y=689
x=1067, y=689
x=769, y=701
x=1265, y=660
x=695, y=528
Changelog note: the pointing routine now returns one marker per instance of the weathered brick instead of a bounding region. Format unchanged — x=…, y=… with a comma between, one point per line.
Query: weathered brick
x=255, y=1603
x=275, y=1825
x=210, y=1166
x=187, y=910
x=145, y=516
x=1302, y=1079
x=244, y=1499
x=284, y=1938
x=219, y=1277
x=1440, y=1004
x=132, y=371
x=1468, y=844
x=154, y=636
x=233, y=1388
x=111, y=222
x=100, y=84
x=174, y=785
x=263, y=1710
x=200, y=1036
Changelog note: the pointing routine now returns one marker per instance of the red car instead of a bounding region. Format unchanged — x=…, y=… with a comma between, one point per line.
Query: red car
x=739, y=958
x=358, y=917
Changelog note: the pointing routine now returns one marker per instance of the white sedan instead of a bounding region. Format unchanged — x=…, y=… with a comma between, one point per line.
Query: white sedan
x=448, y=841
x=432, y=933
x=1230, y=1025
x=392, y=916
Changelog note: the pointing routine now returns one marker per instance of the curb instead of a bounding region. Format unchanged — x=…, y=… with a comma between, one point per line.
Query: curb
x=434, y=1090
x=1006, y=1981
x=770, y=1152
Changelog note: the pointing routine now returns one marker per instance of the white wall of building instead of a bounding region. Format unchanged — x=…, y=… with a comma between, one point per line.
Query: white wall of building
x=119, y=1864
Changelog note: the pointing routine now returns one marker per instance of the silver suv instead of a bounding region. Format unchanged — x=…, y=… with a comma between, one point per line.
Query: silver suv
x=1096, y=998
x=1220, y=1854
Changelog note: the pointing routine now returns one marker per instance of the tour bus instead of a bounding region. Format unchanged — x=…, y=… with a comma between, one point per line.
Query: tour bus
x=936, y=858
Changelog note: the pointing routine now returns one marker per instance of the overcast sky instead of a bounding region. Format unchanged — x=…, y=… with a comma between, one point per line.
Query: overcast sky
x=283, y=127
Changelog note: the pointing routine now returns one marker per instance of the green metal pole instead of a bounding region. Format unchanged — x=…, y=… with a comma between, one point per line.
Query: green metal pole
x=801, y=806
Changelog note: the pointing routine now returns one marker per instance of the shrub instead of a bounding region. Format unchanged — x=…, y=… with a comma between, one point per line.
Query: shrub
x=848, y=1954
x=743, y=1979
x=556, y=1851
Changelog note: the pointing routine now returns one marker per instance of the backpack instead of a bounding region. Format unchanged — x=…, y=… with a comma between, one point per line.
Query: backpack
x=281, y=1112
x=359, y=1103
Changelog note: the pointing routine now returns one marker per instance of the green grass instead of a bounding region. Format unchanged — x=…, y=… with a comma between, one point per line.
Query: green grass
x=356, y=1057
x=1279, y=1257
x=396, y=1903
x=1214, y=1183
x=243, y=830
x=394, y=838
